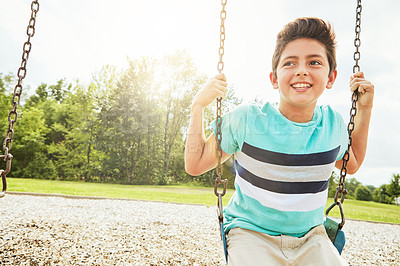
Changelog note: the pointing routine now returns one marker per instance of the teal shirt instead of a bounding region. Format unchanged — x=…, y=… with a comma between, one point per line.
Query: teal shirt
x=282, y=167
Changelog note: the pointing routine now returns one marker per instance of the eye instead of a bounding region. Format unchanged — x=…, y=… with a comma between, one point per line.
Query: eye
x=315, y=63
x=288, y=63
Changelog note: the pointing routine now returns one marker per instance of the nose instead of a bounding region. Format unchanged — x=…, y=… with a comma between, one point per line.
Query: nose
x=301, y=71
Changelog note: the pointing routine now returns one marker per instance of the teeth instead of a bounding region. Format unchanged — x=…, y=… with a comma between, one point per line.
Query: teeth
x=301, y=85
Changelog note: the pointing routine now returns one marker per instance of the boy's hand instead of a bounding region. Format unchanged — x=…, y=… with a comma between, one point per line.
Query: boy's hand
x=365, y=89
x=216, y=87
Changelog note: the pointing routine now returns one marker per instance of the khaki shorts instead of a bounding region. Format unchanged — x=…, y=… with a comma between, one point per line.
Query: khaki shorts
x=247, y=247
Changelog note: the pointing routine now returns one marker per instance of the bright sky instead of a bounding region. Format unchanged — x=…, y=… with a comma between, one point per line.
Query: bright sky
x=75, y=38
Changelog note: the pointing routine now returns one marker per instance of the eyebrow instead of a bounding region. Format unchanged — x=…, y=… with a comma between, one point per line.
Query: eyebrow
x=296, y=57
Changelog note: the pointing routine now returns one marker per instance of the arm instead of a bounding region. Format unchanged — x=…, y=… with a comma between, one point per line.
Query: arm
x=200, y=153
x=361, y=122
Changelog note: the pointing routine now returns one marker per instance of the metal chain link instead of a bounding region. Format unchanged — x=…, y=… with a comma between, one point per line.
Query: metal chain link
x=219, y=180
x=357, y=40
x=220, y=67
x=13, y=114
x=353, y=111
x=221, y=50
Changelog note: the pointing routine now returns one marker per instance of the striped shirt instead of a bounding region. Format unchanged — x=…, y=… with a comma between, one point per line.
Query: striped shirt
x=282, y=167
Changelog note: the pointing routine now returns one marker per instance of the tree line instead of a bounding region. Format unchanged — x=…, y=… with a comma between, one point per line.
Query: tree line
x=125, y=126
x=386, y=193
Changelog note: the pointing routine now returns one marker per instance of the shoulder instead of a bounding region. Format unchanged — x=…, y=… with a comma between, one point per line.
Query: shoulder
x=241, y=108
x=327, y=109
x=245, y=110
x=249, y=111
x=330, y=114
x=254, y=108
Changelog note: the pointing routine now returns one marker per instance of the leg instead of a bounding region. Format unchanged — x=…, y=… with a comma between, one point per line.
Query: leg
x=315, y=248
x=247, y=247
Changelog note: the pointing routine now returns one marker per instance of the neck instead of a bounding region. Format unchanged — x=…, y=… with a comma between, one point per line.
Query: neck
x=297, y=114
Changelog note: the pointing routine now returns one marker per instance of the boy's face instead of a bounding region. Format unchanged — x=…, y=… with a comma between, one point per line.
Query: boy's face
x=302, y=73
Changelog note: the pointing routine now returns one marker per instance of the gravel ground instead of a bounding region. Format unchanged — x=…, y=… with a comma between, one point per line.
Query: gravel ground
x=64, y=231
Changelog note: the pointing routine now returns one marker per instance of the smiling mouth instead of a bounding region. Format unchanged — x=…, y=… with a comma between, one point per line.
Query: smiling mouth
x=301, y=86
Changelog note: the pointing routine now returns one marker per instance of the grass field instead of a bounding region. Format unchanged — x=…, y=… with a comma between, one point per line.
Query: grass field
x=177, y=194
x=361, y=210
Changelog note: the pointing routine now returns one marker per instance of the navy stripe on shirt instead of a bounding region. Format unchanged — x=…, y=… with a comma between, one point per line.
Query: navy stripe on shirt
x=280, y=186
x=277, y=158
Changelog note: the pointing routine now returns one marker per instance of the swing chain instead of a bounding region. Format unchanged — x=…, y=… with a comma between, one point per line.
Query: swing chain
x=353, y=111
x=220, y=67
x=222, y=36
x=357, y=41
x=13, y=114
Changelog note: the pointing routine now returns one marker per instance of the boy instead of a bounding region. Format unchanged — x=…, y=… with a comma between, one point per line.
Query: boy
x=285, y=154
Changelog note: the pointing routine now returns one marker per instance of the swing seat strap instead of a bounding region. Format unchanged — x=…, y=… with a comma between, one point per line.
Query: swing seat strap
x=335, y=234
x=333, y=228
x=340, y=240
x=220, y=210
x=223, y=237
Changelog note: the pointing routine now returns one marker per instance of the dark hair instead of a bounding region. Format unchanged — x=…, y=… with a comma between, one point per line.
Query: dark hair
x=312, y=28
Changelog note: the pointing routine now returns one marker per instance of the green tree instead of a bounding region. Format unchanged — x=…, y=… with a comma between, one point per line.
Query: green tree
x=72, y=134
x=60, y=91
x=99, y=157
x=333, y=183
x=393, y=188
x=40, y=95
x=363, y=193
x=124, y=117
x=6, y=82
x=371, y=188
x=351, y=185
x=49, y=154
x=180, y=79
x=381, y=195
x=29, y=148
x=81, y=137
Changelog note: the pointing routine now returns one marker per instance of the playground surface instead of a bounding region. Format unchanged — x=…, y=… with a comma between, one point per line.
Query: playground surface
x=64, y=231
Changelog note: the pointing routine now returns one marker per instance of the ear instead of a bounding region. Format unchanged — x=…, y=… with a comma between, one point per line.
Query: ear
x=331, y=79
x=274, y=80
